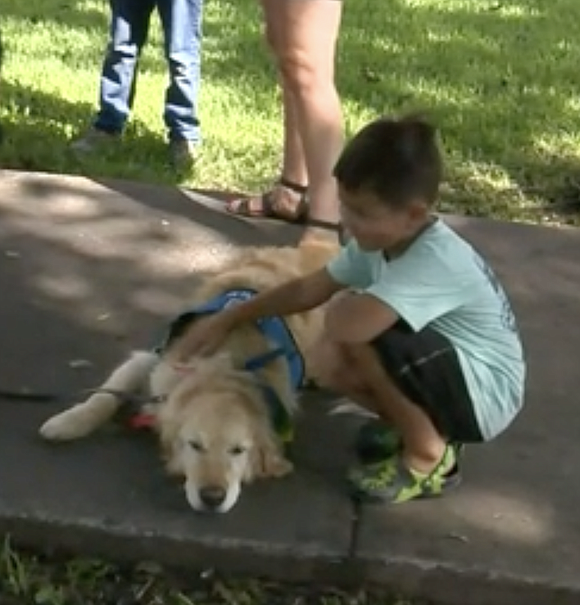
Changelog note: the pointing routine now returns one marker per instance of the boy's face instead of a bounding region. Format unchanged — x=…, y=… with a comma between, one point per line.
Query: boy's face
x=377, y=226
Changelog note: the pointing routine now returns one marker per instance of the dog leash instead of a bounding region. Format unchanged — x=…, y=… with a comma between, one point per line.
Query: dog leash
x=39, y=397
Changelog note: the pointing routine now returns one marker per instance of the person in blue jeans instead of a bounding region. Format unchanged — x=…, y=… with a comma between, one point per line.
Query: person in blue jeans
x=181, y=21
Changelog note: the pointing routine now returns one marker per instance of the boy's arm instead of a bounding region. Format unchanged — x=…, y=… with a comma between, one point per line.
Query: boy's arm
x=359, y=318
x=203, y=337
x=292, y=297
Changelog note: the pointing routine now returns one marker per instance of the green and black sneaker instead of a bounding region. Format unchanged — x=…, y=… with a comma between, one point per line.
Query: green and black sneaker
x=377, y=441
x=392, y=481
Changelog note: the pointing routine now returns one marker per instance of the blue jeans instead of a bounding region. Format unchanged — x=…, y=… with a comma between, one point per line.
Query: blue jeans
x=181, y=21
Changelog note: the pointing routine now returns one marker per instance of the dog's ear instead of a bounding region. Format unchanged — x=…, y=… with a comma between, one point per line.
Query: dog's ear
x=167, y=427
x=266, y=458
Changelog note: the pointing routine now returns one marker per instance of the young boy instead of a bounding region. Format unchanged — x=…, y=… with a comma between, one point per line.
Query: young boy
x=422, y=333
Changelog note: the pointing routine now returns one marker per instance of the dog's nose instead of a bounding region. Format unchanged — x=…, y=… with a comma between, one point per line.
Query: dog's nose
x=212, y=496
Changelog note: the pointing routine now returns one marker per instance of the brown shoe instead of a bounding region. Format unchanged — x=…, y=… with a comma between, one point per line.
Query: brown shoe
x=182, y=154
x=93, y=140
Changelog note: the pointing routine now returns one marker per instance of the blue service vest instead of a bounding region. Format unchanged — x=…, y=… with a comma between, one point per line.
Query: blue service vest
x=276, y=332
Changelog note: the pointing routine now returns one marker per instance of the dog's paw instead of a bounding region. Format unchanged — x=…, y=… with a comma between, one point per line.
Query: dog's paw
x=66, y=426
x=286, y=467
x=267, y=465
x=280, y=467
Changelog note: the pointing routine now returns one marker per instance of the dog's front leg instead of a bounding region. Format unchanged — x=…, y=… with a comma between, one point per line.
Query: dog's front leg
x=84, y=418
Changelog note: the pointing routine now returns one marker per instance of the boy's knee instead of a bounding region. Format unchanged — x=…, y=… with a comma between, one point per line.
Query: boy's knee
x=328, y=364
x=356, y=354
x=334, y=369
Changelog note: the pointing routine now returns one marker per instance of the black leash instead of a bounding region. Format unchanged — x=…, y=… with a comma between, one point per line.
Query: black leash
x=32, y=397
x=127, y=399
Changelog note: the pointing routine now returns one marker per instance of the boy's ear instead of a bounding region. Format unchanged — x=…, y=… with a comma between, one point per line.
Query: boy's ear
x=418, y=210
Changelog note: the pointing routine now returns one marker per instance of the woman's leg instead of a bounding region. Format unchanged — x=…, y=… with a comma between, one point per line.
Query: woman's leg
x=285, y=201
x=293, y=160
x=303, y=35
x=287, y=198
x=306, y=59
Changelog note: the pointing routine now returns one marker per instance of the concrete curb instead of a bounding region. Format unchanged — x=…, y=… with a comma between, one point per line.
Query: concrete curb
x=432, y=581
x=126, y=544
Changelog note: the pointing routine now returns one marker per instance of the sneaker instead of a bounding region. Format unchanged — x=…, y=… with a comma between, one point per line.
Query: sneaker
x=182, y=154
x=393, y=482
x=93, y=140
x=378, y=441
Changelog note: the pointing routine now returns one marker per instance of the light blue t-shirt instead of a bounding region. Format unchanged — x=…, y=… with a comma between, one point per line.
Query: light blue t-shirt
x=440, y=281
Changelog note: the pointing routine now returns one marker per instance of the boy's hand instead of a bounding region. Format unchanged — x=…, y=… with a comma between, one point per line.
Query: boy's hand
x=205, y=336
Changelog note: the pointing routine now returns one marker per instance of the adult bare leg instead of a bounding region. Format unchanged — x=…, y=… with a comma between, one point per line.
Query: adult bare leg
x=303, y=36
x=305, y=52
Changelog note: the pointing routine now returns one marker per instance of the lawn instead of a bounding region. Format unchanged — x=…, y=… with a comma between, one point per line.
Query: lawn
x=499, y=78
x=32, y=580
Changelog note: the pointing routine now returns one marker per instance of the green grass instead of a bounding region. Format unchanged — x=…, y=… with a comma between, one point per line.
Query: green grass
x=31, y=580
x=499, y=77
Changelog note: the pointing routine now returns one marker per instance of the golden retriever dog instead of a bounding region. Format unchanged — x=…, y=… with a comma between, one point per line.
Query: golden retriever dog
x=222, y=420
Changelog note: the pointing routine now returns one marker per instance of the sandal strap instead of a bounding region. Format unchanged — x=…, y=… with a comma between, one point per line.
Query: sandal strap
x=243, y=208
x=314, y=222
x=296, y=187
x=337, y=228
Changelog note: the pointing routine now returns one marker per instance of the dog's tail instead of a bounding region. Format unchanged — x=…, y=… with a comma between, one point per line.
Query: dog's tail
x=346, y=406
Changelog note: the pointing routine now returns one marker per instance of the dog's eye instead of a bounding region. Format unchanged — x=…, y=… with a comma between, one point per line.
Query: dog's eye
x=237, y=450
x=195, y=446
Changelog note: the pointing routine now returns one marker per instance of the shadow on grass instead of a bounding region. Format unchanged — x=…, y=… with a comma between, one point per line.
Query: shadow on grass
x=40, y=124
x=39, y=128
x=78, y=14
x=81, y=16
x=500, y=79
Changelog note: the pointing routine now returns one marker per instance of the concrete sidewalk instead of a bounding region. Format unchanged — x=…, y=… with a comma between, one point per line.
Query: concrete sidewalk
x=91, y=269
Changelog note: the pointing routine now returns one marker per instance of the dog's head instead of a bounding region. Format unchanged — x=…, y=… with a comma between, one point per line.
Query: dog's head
x=216, y=433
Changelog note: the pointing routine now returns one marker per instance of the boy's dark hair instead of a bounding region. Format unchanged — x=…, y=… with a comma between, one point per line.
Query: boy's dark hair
x=396, y=160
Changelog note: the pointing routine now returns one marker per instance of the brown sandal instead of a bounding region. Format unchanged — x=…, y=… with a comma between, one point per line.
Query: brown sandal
x=242, y=207
x=268, y=207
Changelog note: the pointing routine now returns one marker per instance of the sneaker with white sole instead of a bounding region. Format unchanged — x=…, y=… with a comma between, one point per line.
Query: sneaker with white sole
x=93, y=140
x=182, y=154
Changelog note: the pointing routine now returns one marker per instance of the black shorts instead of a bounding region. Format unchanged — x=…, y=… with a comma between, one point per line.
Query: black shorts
x=426, y=368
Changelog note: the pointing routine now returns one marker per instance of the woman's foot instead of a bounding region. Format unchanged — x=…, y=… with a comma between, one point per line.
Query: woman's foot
x=286, y=200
